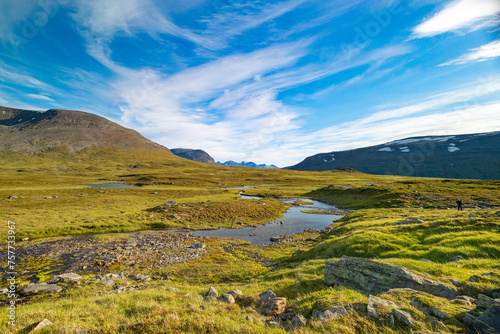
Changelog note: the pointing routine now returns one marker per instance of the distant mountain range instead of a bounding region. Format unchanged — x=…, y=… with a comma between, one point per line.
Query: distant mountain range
x=472, y=156
x=195, y=155
x=247, y=164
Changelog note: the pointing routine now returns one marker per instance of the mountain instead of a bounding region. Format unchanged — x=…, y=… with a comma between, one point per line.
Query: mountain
x=195, y=155
x=246, y=164
x=34, y=132
x=472, y=156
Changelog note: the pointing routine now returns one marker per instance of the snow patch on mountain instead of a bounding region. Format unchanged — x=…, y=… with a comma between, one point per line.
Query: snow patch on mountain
x=452, y=148
x=404, y=149
x=385, y=149
x=414, y=140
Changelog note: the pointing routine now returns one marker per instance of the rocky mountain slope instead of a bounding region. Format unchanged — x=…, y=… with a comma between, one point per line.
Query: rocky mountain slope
x=247, y=164
x=195, y=155
x=472, y=156
x=39, y=131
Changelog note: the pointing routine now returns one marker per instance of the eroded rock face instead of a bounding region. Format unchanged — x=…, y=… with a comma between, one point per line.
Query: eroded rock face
x=375, y=278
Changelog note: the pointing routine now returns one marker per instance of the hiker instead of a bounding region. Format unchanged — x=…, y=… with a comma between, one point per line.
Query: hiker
x=459, y=205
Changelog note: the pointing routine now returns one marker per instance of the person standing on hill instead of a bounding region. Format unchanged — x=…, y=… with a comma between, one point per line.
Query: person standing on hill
x=460, y=205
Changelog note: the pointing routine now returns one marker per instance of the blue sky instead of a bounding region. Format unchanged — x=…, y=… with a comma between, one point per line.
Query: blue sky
x=269, y=82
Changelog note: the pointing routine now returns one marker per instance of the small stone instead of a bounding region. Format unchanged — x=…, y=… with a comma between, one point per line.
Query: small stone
x=249, y=318
x=298, y=321
x=375, y=302
x=42, y=324
x=227, y=298
x=108, y=282
x=25, y=239
x=235, y=292
x=456, y=258
x=275, y=306
x=474, y=279
x=391, y=322
x=211, y=294
x=173, y=289
x=4, y=290
x=265, y=296
x=272, y=323
x=487, y=274
x=404, y=317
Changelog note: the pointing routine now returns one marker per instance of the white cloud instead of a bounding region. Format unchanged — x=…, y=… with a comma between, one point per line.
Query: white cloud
x=40, y=97
x=482, y=53
x=14, y=75
x=460, y=14
x=12, y=12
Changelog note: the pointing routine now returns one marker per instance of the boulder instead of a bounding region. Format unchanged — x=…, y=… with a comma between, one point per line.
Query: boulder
x=486, y=302
x=375, y=303
x=428, y=309
x=404, y=317
x=275, y=306
x=41, y=325
x=374, y=277
x=227, y=298
x=265, y=296
x=298, y=321
x=68, y=277
x=39, y=288
x=211, y=294
x=108, y=282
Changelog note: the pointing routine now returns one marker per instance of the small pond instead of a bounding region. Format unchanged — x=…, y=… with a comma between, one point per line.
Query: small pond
x=293, y=221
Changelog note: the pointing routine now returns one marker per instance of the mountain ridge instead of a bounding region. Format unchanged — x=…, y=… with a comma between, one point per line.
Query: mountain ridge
x=34, y=132
x=470, y=156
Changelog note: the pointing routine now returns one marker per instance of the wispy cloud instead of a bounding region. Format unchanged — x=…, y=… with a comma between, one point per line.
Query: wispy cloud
x=16, y=76
x=460, y=15
x=482, y=53
x=40, y=97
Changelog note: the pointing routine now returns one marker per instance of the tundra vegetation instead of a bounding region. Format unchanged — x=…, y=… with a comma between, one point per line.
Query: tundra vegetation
x=403, y=221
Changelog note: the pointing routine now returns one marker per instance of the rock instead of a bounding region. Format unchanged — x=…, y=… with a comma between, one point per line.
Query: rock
x=68, y=277
x=456, y=258
x=25, y=239
x=39, y=288
x=374, y=277
x=404, y=317
x=428, y=309
x=173, y=289
x=298, y=321
x=235, y=292
x=392, y=324
x=249, y=318
x=42, y=324
x=455, y=282
x=375, y=303
x=170, y=203
x=472, y=215
x=487, y=274
x=227, y=298
x=486, y=302
x=275, y=306
x=477, y=326
x=176, y=216
x=272, y=323
x=108, y=282
x=474, y=279
x=4, y=291
x=199, y=245
x=265, y=296
x=333, y=312
x=131, y=243
x=492, y=318
x=410, y=220
x=211, y=294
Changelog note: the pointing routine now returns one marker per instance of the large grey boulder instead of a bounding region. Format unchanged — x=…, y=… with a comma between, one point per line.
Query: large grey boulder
x=39, y=288
x=375, y=278
x=68, y=277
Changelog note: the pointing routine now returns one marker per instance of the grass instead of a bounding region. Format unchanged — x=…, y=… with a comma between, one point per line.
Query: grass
x=51, y=202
